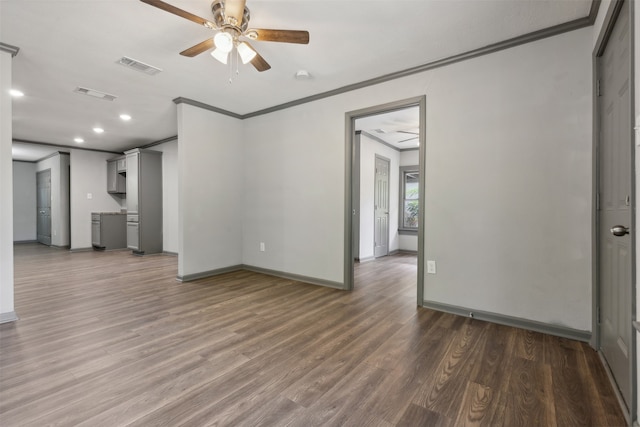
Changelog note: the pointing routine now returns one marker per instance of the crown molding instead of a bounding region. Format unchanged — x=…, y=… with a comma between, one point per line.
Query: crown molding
x=13, y=50
x=544, y=33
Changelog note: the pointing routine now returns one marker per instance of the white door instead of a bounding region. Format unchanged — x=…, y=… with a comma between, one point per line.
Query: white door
x=381, y=206
x=615, y=207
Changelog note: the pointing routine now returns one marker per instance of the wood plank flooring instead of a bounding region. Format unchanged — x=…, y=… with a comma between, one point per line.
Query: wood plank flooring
x=111, y=339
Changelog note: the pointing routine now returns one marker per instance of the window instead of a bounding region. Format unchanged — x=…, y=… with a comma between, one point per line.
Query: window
x=409, y=198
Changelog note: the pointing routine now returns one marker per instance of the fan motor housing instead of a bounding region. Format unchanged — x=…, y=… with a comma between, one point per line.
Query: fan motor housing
x=220, y=19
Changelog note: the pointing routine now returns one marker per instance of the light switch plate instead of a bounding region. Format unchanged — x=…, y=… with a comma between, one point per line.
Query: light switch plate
x=431, y=267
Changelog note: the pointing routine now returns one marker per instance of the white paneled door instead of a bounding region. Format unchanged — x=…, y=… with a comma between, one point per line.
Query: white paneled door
x=381, y=206
x=615, y=206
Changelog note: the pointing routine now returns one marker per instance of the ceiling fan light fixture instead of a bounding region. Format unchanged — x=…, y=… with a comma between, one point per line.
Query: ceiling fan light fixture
x=246, y=53
x=220, y=55
x=223, y=41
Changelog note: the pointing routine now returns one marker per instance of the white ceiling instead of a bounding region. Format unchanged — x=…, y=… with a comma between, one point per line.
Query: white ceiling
x=65, y=44
x=397, y=128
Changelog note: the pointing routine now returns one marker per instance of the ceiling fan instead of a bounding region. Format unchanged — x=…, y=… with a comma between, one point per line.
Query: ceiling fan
x=230, y=21
x=410, y=133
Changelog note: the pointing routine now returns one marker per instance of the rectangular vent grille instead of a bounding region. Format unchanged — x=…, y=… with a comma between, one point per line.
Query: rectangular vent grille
x=139, y=66
x=95, y=93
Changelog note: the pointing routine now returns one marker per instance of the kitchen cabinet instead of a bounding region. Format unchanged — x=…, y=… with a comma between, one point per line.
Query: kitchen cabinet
x=122, y=165
x=108, y=230
x=144, y=201
x=116, y=182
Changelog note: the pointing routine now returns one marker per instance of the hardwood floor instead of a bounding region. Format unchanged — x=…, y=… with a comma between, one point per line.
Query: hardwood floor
x=111, y=339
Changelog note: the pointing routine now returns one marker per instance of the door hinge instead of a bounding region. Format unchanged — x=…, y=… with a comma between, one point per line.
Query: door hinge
x=598, y=315
x=598, y=90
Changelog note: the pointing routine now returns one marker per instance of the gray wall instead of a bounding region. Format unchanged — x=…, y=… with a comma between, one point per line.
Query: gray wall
x=210, y=191
x=508, y=194
x=368, y=150
x=89, y=193
x=60, y=211
x=24, y=201
x=6, y=192
x=169, y=195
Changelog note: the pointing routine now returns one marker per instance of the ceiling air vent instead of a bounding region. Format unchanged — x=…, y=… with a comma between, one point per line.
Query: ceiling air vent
x=134, y=64
x=95, y=93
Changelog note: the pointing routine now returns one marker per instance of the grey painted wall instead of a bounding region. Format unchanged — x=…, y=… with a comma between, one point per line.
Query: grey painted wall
x=60, y=211
x=24, y=201
x=6, y=192
x=508, y=181
x=169, y=195
x=210, y=190
x=89, y=179
x=368, y=150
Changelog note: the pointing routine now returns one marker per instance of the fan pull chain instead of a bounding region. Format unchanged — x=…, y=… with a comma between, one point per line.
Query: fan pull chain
x=237, y=62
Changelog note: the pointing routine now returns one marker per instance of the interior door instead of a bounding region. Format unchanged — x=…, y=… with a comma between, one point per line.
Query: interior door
x=381, y=206
x=43, y=205
x=615, y=210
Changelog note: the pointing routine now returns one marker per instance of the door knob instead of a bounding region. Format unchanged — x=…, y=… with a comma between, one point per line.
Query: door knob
x=619, y=230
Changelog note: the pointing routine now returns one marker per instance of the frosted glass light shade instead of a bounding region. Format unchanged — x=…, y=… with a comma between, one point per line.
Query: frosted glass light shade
x=223, y=41
x=246, y=53
x=220, y=55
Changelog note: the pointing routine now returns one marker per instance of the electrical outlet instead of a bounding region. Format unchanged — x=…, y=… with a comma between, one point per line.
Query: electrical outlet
x=89, y=196
x=431, y=267
x=262, y=247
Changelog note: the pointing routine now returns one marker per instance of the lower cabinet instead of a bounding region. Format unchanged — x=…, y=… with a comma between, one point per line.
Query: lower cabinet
x=133, y=236
x=108, y=230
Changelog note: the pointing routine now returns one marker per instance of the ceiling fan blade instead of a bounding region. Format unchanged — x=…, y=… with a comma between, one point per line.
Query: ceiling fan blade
x=234, y=9
x=409, y=132
x=182, y=13
x=409, y=139
x=198, y=49
x=259, y=62
x=284, y=36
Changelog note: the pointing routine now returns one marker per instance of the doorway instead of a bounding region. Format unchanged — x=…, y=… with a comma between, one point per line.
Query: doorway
x=43, y=206
x=352, y=184
x=615, y=223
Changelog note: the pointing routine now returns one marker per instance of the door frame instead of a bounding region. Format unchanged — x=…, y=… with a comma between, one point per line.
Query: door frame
x=375, y=173
x=601, y=43
x=352, y=185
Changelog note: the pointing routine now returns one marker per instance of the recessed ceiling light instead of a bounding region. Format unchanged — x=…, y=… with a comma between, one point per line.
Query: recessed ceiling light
x=125, y=117
x=78, y=140
x=98, y=130
x=16, y=93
